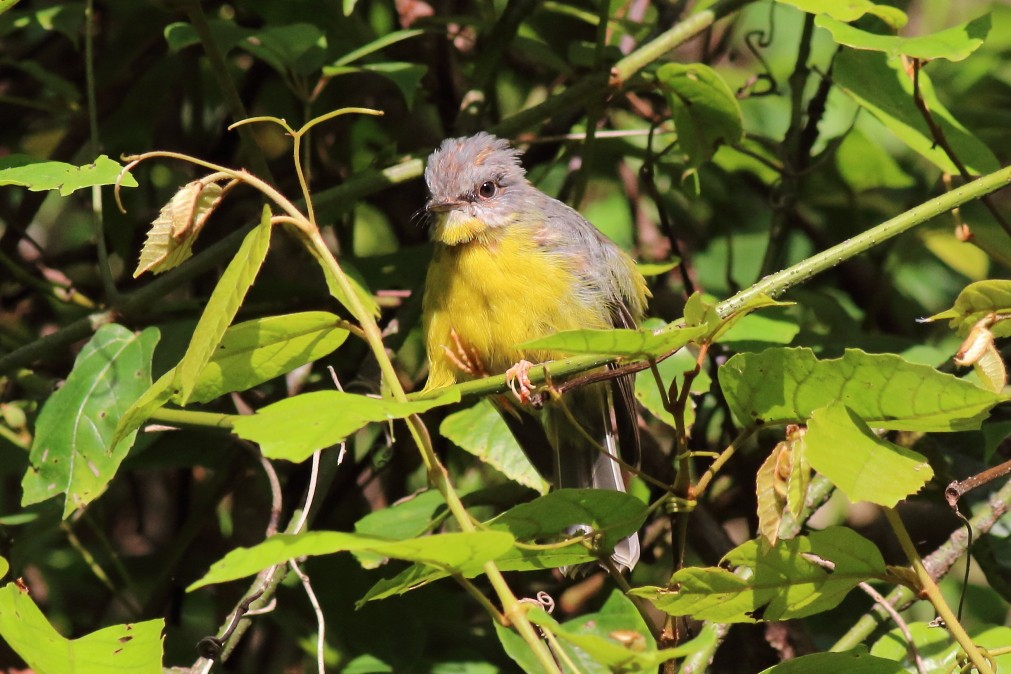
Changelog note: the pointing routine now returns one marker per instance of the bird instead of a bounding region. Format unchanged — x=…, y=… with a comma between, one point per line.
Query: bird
x=512, y=264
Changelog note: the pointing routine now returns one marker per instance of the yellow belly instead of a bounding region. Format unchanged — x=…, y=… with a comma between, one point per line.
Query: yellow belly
x=495, y=294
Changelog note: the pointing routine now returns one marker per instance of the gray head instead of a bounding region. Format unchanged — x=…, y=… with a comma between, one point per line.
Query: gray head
x=475, y=184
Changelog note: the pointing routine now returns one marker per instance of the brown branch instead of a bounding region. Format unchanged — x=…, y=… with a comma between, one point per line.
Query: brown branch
x=937, y=133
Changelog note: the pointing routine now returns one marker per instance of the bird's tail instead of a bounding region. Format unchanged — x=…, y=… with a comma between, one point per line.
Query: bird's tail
x=579, y=463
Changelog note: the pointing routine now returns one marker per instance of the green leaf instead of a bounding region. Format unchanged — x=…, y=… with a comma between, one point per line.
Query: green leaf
x=142, y=408
x=378, y=44
x=406, y=76
x=793, y=579
x=616, y=342
x=226, y=34
x=293, y=48
x=865, y=467
x=249, y=354
x=294, y=428
x=781, y=386
x=445, y=551
x=754, y=330
x=407, y=518
x=614, y=639
x=72, y=453
x=134, y=647
x=977, y=301
x=851, y=662
x=705, y=111
x=4, y=567
x=649, y=269
x=954, y=44
x=882, y=86
x=39, y=175
x=256, y=351
x=613, y=513
x=865, y=165
x=7, y=4
x=222, y=306
x=480, y=430
x=851, y=10
x=544, y=519
x=334, y=286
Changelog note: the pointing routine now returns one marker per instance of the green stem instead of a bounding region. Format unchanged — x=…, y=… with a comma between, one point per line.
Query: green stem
x=933, y=594
x=104, y=270
x=192, y=419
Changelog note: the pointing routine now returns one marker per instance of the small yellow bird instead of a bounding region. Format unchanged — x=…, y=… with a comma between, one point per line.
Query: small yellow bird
x=511, y=264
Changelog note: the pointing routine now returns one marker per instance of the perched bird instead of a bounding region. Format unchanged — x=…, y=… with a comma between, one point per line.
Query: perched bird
x=512, y=264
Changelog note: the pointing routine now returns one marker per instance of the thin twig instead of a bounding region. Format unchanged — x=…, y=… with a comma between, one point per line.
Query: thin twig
x=275, y=495
x=320, y=621
x=937, y=133
x=899, y=622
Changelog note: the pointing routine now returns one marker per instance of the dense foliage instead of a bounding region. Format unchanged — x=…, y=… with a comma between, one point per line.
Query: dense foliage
x=214, y=448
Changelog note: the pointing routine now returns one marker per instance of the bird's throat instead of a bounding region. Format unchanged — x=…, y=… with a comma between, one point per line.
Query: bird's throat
x=456, y=227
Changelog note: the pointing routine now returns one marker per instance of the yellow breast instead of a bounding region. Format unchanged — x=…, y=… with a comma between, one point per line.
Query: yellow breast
x=497, y=291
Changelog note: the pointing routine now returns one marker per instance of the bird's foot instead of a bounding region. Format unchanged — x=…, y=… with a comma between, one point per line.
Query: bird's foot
x=465, y=358
x=519, y=381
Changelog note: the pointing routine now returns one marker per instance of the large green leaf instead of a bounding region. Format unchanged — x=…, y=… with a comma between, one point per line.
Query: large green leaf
x=955, y=43
x=882, y=86
x=41, y=174
x=294, y=428
x=780, y=386
x=865, y=467
x=793, y=579
x=256, y=351
x=249, y=354
x=481, y=431
x=72, y=452
x=222, y=306
x=129, y=648
x=445, y=551
x=865, y=165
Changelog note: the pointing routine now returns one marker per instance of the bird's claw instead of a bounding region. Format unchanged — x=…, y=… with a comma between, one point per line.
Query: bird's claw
x=465, y=358
x=518, y=379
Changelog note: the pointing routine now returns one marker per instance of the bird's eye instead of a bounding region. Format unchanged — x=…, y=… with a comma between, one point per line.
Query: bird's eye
x=487, y=190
